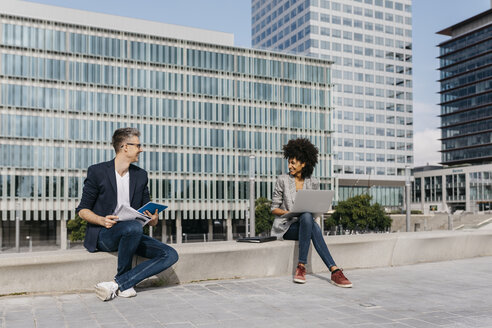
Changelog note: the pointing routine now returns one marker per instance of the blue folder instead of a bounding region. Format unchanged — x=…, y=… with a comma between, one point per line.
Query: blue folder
x=151, y=207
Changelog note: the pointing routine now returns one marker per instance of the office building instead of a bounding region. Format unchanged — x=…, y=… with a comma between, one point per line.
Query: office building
x=466, y=91
x=449, y=189
x=465, y=181
x=69, y=78
x=370, y=43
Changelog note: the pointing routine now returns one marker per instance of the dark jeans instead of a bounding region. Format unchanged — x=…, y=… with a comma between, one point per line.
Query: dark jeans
x=305, y=230
x=128, y=239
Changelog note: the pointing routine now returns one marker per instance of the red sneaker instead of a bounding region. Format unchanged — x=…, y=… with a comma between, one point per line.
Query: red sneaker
x=339, y=279
x=300, y=276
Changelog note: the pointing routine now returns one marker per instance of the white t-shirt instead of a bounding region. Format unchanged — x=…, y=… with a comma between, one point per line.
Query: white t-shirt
x=123, y=188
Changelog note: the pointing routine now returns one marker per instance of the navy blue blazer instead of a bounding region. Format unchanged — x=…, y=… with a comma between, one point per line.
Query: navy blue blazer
x=100, y=195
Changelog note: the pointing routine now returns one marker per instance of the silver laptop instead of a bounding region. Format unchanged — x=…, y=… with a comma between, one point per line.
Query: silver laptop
x=312, y=201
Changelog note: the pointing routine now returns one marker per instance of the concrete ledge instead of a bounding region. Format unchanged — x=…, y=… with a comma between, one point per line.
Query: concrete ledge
x=72, y=270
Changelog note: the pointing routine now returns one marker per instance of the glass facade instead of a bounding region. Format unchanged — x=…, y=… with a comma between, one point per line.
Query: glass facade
x=466, y=96
x=202, y=110
x=481, y=189
x=370, y=44
x=384, y=195
x=467, y=188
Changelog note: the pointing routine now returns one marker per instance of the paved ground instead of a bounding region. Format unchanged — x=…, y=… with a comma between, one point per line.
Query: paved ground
x=445, y=294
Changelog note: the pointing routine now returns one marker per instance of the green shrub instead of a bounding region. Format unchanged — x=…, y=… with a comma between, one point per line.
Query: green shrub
x=357, y=213
x=263, y=216
x=76, y=228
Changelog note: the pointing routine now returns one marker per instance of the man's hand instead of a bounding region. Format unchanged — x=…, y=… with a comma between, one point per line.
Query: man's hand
x=108, y=221
x=154, y=217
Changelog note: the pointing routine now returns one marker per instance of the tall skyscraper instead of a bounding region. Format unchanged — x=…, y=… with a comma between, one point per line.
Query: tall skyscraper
x=465, y=183
x=69, y=78
x=466, y=91
x=370, y=43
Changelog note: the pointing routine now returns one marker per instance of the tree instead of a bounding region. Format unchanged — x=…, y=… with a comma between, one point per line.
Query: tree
x=357, y=213
x=76, y=228
x=263, y=216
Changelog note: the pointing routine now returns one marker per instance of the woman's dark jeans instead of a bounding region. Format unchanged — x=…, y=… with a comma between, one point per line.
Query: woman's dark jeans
x=305, y=230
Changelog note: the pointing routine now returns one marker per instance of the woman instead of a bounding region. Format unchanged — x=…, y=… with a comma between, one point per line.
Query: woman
x=302, y=157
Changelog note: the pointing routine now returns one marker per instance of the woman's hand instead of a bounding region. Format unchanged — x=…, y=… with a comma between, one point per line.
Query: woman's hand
x=279, y=212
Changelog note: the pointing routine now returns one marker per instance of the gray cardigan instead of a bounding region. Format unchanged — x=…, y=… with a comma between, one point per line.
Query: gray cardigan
x=284, y=195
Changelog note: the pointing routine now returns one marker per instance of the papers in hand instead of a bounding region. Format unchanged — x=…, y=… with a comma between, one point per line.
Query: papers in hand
x=127, y=213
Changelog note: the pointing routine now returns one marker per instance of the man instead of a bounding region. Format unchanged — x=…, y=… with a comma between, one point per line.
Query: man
x=107, y=186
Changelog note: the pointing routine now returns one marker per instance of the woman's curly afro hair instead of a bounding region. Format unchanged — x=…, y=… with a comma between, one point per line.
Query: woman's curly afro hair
x=304, y=151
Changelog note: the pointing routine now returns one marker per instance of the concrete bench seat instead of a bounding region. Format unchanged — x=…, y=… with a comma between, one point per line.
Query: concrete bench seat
x=72, y=270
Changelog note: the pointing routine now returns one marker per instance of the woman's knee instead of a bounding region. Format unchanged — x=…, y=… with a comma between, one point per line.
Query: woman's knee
x=306, y=219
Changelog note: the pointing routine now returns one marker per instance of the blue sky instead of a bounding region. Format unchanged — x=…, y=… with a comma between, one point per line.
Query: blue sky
x=234, y=16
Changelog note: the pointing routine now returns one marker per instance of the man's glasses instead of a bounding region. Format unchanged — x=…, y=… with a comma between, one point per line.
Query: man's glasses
x=134, y=144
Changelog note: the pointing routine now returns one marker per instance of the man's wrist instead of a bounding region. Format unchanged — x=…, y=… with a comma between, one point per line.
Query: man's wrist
x=102, y=221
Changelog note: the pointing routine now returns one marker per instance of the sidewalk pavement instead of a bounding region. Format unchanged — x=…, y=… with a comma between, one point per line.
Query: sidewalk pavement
x=443, y=294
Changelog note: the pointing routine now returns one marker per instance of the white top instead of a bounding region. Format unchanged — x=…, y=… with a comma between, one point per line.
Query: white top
x=123, y=189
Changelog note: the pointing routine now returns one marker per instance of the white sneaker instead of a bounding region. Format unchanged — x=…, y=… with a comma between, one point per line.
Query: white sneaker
x=106, y=290
x=130, y=292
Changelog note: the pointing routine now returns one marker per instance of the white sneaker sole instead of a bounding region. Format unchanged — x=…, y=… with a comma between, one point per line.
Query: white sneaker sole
x=338, y=285
x=299, y=281
x=126, y=295
x=103, y=294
